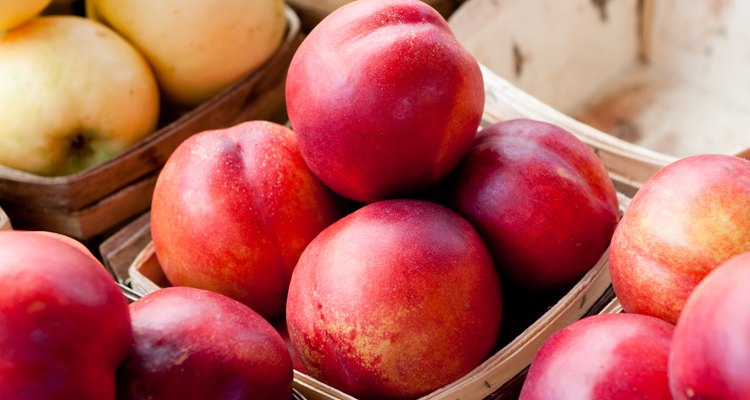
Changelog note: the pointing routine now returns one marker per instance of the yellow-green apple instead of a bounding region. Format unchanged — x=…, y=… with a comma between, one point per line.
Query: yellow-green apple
x=234, y=208
x=15, y=12
x=197, y=47
x=196, y=344
x=687, y=219
x=603, y=357
x=64, y=324
x=394, y=300
x=540, y=198
x=73, y=94
x=710, y=357
x=383, y=99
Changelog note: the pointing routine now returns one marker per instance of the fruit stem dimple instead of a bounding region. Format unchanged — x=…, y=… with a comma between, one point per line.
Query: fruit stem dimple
x=79, y=145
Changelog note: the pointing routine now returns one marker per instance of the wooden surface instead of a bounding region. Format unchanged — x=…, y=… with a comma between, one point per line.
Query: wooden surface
x=4, y=221
x=627, y=163
x=642, y=82
x=93, y=201
x=311, y=12
x=120, y=249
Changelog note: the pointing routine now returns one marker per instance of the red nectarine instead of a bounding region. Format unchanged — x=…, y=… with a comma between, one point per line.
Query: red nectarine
x=688, y=218
x=710, y=357
x=383, y=98
x=394, y=300
x=234, y=208
x=540, y=198
x=196, y=344
x=64, y=324
x=603, y=357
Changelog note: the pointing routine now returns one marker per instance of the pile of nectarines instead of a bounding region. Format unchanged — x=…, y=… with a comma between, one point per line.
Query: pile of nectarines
x=385, y=231
x=382, y=227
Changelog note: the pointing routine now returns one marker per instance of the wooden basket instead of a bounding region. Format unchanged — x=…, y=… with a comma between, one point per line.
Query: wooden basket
x=311, y=12
x=94, y=201
x=499, y=377
x=4, y=221
x=664, y=79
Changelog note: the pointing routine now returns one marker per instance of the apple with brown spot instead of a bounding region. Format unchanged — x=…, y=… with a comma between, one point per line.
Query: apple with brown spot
x=394, y=301
x=383, y=98
x=688, y=218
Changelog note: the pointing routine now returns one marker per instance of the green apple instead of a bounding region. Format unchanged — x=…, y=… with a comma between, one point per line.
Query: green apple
x=197, y=47
x=73, y=94
x=14, y=12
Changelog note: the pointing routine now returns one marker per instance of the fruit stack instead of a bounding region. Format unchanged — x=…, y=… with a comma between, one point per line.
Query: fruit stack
x=386, y=246
x=93, y=105
x=397, y=246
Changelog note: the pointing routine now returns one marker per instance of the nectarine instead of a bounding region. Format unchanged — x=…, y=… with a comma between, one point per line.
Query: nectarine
x=64, y=324
x=688, y=218
x=196, y=344
x=394, y=300
x=540, y=198
x=234, y=208
x=710, y=357
x=383, y=98
x=603, y=357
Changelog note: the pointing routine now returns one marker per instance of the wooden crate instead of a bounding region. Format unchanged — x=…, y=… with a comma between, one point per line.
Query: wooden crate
x=643, y=82
x=499, y=377
x=311, y=12
x=94, y=201
x=4, y=221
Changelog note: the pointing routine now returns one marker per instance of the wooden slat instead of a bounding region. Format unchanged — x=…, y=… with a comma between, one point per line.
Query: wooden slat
x=4, y=221
x=642, y=82
x=626, y=162
x=119, y=250
x=311, y=12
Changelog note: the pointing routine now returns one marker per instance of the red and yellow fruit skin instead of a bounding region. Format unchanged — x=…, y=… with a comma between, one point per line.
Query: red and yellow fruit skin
x=604, y=357
x=540, y=198
x=383, y=98
x=196, y=344
x=394, y=301
x=686, y=219
x=64, y=324
x=234, y=208
x=710, y=357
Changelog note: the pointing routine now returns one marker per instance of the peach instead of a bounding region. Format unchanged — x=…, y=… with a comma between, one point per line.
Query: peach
x=383, y=99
